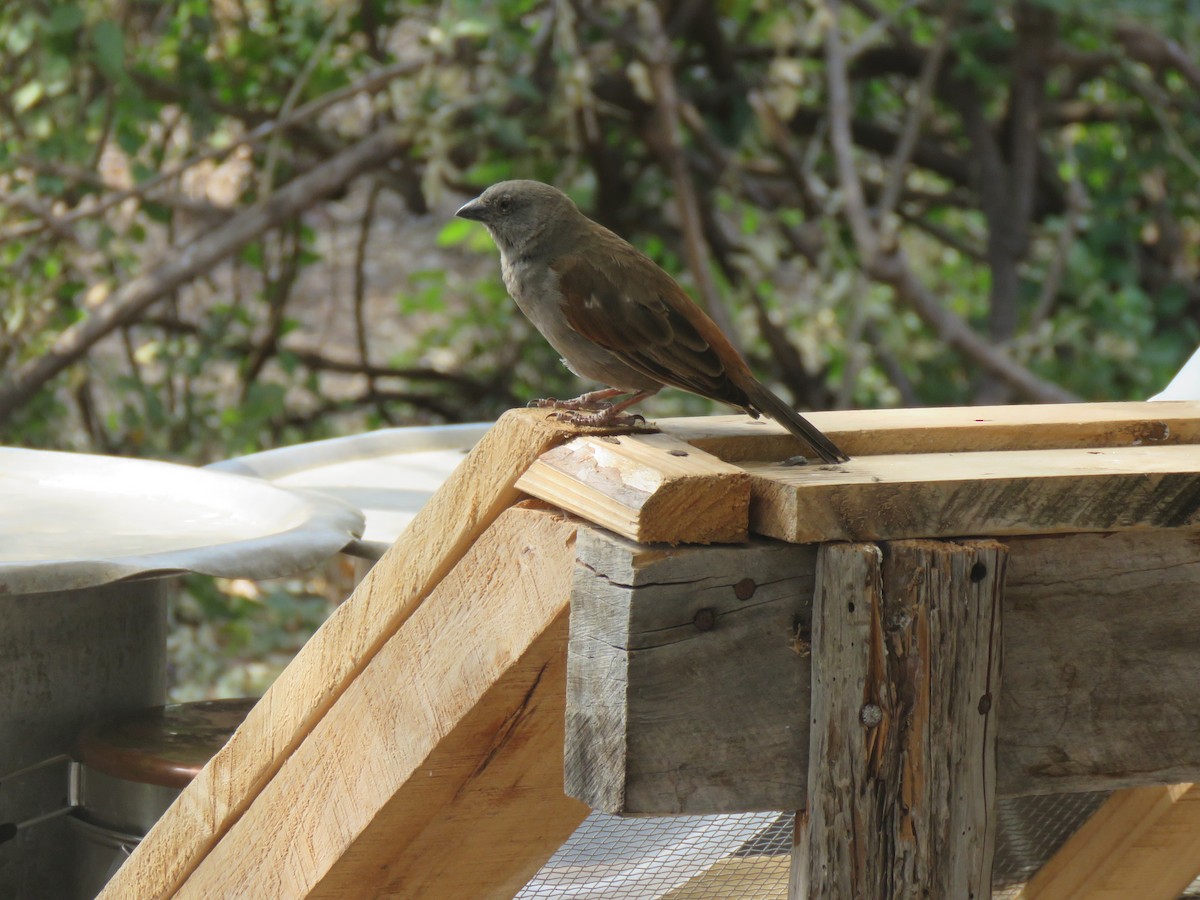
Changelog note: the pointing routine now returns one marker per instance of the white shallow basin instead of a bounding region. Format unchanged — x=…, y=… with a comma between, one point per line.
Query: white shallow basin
x=388, y=474
x=72, y=520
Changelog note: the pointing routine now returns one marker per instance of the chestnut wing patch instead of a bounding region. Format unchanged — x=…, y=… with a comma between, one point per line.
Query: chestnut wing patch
x=639, y=320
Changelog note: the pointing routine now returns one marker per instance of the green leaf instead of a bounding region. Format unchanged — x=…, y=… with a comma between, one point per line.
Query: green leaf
x=109, y=44
x=65, y=20
x=20, y=36
x=455, y=232
x=27, y=95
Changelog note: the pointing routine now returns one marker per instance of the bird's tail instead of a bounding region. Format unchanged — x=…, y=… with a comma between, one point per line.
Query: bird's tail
x=762, y=399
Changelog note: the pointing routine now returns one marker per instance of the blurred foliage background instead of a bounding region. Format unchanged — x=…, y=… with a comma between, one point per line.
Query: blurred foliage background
x=227, y=225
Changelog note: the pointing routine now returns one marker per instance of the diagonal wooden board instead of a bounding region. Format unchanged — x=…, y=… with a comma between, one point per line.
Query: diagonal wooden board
x=1142, y=844
x=438, y=772
x=471, y=499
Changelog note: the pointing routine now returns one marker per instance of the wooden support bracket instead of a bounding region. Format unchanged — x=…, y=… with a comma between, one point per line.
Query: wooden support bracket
x=1142, y=844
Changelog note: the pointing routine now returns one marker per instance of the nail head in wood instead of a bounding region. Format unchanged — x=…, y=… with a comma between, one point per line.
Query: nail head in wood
x=870, y=715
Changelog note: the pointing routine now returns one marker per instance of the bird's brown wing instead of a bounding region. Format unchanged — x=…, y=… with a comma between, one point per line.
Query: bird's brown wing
x=633, y=309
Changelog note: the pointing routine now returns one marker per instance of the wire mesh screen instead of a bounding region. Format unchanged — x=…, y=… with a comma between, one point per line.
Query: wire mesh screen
x=678, y=857
x=748, y=856
x=1030, y=829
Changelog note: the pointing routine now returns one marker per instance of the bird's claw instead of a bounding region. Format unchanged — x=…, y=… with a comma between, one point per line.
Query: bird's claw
x=579, y=403
x=599, y=419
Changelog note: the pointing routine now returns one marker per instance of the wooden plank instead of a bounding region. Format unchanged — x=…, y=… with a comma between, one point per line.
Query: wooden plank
x=677, y=658
x=906, y=662
x=1100, y=662
x=760, y=877
x=438, y=771
x=646, y=487
x=470, y=500
x=992, y=493
x=1100, y=639
x=963, y=429
x=1143, y=843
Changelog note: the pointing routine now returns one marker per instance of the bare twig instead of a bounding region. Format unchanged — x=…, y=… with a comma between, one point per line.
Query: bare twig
x=376, y=81
x=1077, y=205
x=945, y=236
x=185, y=263
x=853, y=349
x=313, y=359
x=277, y=288
x=1147, y=46
x=897, y=168
x=890, y=365
x=657, y=56
x=853, y=202
x=896, y=272
x=337, y=20
x=892, y=268
x=360, y=293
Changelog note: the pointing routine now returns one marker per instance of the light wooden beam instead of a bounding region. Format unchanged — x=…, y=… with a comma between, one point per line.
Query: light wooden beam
x=988, y=493
x=736, y=876
x=438, y=772
x=470, y=500
x=649, y=488
x=960, y=429
x=906, y=671
x=1142, y=844
x=666, y=717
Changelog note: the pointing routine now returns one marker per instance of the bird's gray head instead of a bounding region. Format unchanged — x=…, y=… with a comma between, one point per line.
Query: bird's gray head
x=524, y=217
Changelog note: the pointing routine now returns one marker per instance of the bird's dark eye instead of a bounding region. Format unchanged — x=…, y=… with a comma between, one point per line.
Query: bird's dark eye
x=504, y=204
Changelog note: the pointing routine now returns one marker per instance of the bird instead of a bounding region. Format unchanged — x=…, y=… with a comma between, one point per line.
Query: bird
x=615, y=316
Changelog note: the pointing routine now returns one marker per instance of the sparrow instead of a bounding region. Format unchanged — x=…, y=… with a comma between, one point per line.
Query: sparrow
x=614, y=315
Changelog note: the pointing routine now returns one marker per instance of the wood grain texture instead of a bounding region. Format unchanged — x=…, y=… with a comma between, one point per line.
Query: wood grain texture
x=677, y=658
x=1142, y=844
x=1099, y=689
x=470, y=500
x=649, y=488
x=760, y=877
x=880, y=432
x=438, y=771
x=990, y=493
x=906, y=663
x=1101, y=671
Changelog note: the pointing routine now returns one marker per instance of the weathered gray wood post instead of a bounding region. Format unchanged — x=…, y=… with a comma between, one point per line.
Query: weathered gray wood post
x=902, y=751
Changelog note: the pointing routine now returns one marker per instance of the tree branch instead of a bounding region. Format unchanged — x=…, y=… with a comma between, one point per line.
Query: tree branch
x=892, y=268
x=897, y=167
x=657, y=56
x=374, y=82
x=192, y=260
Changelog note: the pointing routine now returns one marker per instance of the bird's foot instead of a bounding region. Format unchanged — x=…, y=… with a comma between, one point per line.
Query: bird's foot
x=577, y=403
x=595, y=401
x=604, y=418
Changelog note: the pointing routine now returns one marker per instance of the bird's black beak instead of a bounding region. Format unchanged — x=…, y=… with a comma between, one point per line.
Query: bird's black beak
x=475, y=210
